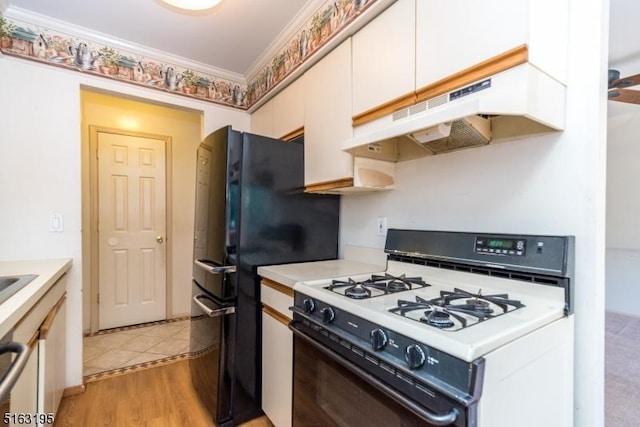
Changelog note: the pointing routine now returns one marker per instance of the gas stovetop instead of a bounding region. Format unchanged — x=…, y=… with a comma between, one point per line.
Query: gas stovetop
x=461, y=313
x=450, y=310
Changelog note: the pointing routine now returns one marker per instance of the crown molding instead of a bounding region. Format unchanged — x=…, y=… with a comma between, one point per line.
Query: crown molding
x=374, y=9
x=258, y=85
x=285, y=35
x=105, y=39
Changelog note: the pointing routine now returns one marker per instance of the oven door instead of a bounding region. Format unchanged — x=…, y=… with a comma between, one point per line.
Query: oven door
x=329, y=390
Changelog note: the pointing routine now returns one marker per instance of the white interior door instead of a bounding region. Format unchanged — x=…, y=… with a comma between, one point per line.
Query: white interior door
x=131, y=229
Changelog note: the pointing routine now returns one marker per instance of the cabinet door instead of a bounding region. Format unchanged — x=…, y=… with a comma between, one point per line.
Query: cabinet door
x=262, y=120
x=277, y=370
x=281, y=115
x=456, y=34
x=288, y=110
x=384, y=58
x=327, y=117
x=24, y=395
x=51, y=372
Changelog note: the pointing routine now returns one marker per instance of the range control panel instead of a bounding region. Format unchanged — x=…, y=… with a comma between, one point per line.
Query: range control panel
x=530, y=253
x=501, y=246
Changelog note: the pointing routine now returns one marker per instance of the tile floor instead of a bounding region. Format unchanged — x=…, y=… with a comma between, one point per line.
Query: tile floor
x=111, y=351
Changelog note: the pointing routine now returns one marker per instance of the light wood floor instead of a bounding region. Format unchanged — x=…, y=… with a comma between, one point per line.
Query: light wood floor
x=155, y=397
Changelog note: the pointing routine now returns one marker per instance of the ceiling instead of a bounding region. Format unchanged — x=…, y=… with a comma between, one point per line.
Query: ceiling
x=230, y=36
x=624, y=45
x=234, y=34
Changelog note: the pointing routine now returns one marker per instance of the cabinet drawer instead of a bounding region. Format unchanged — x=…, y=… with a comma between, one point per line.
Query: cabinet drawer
x=31, y=322
x=277, y=297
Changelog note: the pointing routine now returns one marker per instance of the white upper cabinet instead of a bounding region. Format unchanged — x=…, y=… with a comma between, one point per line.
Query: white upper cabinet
x=262, y=120
x=327, y=118
x=288, y=109
x=282, y=115
x=384, y=57
x=454, y=35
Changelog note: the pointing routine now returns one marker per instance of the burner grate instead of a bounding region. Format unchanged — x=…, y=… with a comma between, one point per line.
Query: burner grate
x=478, y=301
x=376, y=285
x=445, y=313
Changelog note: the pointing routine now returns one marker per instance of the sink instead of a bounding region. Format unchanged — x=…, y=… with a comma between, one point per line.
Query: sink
x=9, y=285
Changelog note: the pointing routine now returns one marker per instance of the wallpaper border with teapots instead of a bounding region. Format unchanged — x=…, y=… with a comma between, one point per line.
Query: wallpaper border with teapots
x=52, y=47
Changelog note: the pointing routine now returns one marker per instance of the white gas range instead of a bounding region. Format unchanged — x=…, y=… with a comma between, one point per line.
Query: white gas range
x=464, y=329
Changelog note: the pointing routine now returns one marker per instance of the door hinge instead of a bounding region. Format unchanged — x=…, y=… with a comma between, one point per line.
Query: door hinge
x=98, y=298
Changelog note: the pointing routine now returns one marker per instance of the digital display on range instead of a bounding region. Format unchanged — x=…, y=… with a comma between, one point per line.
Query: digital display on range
x=500, y=246
x=500, y=243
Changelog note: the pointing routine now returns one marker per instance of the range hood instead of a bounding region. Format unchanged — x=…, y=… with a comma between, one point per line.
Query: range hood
x=511, y=104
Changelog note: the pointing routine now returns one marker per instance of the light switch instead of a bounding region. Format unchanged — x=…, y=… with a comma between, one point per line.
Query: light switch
x=381, y=226
x=56, y=223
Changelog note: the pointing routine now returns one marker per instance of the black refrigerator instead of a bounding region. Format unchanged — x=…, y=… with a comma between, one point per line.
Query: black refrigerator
x=251, y=210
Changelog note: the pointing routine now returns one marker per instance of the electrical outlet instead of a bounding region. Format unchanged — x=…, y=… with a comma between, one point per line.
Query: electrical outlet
x=381, y=226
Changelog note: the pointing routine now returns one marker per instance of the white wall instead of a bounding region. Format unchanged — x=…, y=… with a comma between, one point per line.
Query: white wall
x=623, y=203
x=553, y=184
x=40, y=168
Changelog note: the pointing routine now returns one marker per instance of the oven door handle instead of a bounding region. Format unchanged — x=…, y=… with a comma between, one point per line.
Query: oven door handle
x=15, y=369
x=435, y=419
x=222, y=311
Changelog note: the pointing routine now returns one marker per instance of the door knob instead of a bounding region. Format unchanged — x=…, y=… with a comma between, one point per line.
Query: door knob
x=159, y=239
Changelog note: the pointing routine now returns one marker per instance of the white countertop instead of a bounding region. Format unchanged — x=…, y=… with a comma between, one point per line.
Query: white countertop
x=19, y=304
x=290, y=274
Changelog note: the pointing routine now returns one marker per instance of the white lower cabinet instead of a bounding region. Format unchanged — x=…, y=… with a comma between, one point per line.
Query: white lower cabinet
x=277, y=353
x=24, y=394
x=41, y=384
x=51, y=359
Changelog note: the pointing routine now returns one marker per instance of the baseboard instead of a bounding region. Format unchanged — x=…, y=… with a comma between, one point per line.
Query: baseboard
x=71, y=391
x=137, y=326
x=183, y=316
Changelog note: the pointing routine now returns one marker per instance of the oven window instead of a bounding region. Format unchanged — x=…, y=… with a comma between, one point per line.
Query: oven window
x=326, y=394
x=340, y=397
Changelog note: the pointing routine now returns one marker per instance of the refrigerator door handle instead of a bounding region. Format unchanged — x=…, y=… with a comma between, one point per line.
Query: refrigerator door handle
x=217, y=312
x=215, y=269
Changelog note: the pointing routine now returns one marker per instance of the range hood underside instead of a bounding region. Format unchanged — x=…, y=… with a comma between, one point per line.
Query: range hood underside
x=402, y=148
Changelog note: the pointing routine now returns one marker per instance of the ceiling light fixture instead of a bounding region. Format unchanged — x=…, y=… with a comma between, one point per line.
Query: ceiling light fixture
x=192, y=4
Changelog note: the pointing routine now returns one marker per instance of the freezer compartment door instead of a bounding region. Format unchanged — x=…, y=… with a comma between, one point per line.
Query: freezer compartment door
x=212, y=347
